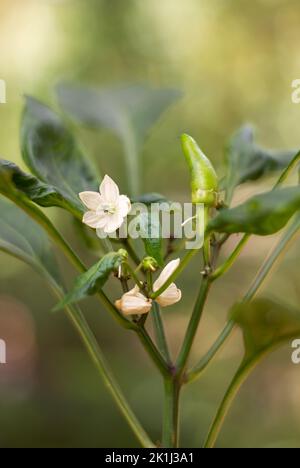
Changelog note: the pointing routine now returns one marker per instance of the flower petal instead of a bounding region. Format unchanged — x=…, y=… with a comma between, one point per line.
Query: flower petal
x=113, y=222
x=134, y=302
x=170, y=296
x=166, y=273
x=124, y=205
x=91, y=219
x=103, y=220
x=109, y=190
x=92, y=200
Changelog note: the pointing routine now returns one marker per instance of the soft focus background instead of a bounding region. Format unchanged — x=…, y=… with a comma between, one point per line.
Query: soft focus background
x=235, y=62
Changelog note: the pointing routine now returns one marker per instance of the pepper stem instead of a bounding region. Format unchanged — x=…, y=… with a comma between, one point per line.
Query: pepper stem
x=206, y=245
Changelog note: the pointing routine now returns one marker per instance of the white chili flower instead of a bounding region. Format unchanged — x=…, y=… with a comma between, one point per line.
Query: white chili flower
x=133, y=303
x=172, y=294
x=107, y=209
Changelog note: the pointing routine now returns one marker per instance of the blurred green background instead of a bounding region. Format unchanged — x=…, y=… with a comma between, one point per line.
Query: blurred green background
x=235, y=62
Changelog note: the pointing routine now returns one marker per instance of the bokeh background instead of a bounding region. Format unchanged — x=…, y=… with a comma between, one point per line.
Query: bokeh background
x=235, y=62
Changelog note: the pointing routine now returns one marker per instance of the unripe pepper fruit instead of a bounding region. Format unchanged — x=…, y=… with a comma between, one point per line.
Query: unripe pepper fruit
x=204, y=184
x=204, y=180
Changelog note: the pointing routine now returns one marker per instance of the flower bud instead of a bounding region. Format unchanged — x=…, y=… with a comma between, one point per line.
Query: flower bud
x=149, y=263
x=123, y=253
x=204, y=180
x=134, y=303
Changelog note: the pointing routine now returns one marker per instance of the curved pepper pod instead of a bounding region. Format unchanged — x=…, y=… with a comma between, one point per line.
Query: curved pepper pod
x=204, y=180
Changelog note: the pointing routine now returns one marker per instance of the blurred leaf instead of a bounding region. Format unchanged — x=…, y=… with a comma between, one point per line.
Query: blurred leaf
x=88, y=236
x=51, y=153
x=262, y=214
x=13, y=180
x=150, y=232
x=90, y=282
x=149, y=198
x=24, y=239
x=128, y=111
x=248, y=161
x=265, y=325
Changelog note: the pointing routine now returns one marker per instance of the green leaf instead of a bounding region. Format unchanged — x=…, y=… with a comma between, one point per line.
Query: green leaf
x=247, y=161
x=51, y=153
x=13, y=181
x=149, y=198
x=262, y=214
x=128, y=111
x=25, y=240
x=90, y=282
x=150, y=232
x=265, y=325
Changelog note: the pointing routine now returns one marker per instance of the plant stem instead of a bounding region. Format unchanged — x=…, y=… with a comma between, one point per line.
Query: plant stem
x=274, y=257
x=193, y=326
x=110, y=382
x=197, y=371
x=95, y=353
x=171, y=414
x=185, y=260
x=206, y=245
x=258, y=282
x=284, y=176
x=231, y=259
x=134, y=276
x=244, y=371
x=229, y=397
x=153, y=351
x=160, y=333
x=159, y=330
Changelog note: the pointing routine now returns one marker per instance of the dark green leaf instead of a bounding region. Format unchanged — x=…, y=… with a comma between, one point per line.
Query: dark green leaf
x=14, y=181
x=24, y=239
x=248, y=161
x=265, y=325
x=262, y=215
x=128, y=111
x=51, y=153
x=150, y=232
x=90, y=282
x=149, y=198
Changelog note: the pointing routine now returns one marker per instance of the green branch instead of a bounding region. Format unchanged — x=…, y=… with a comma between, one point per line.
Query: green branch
x=193, y=326
x=171, y=414
x=160, y=333
x=231, y=259
x=95, y=353
x=244, y=371
x=288, y=237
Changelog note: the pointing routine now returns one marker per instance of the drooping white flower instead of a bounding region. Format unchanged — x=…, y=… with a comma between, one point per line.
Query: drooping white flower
x=172, y=294
x=107, y=209
x=134, y=302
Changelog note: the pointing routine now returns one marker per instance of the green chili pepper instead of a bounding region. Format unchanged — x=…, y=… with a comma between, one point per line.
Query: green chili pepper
x=204, y=180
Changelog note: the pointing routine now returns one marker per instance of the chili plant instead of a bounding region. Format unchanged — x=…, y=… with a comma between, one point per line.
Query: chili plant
x=61, y=176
